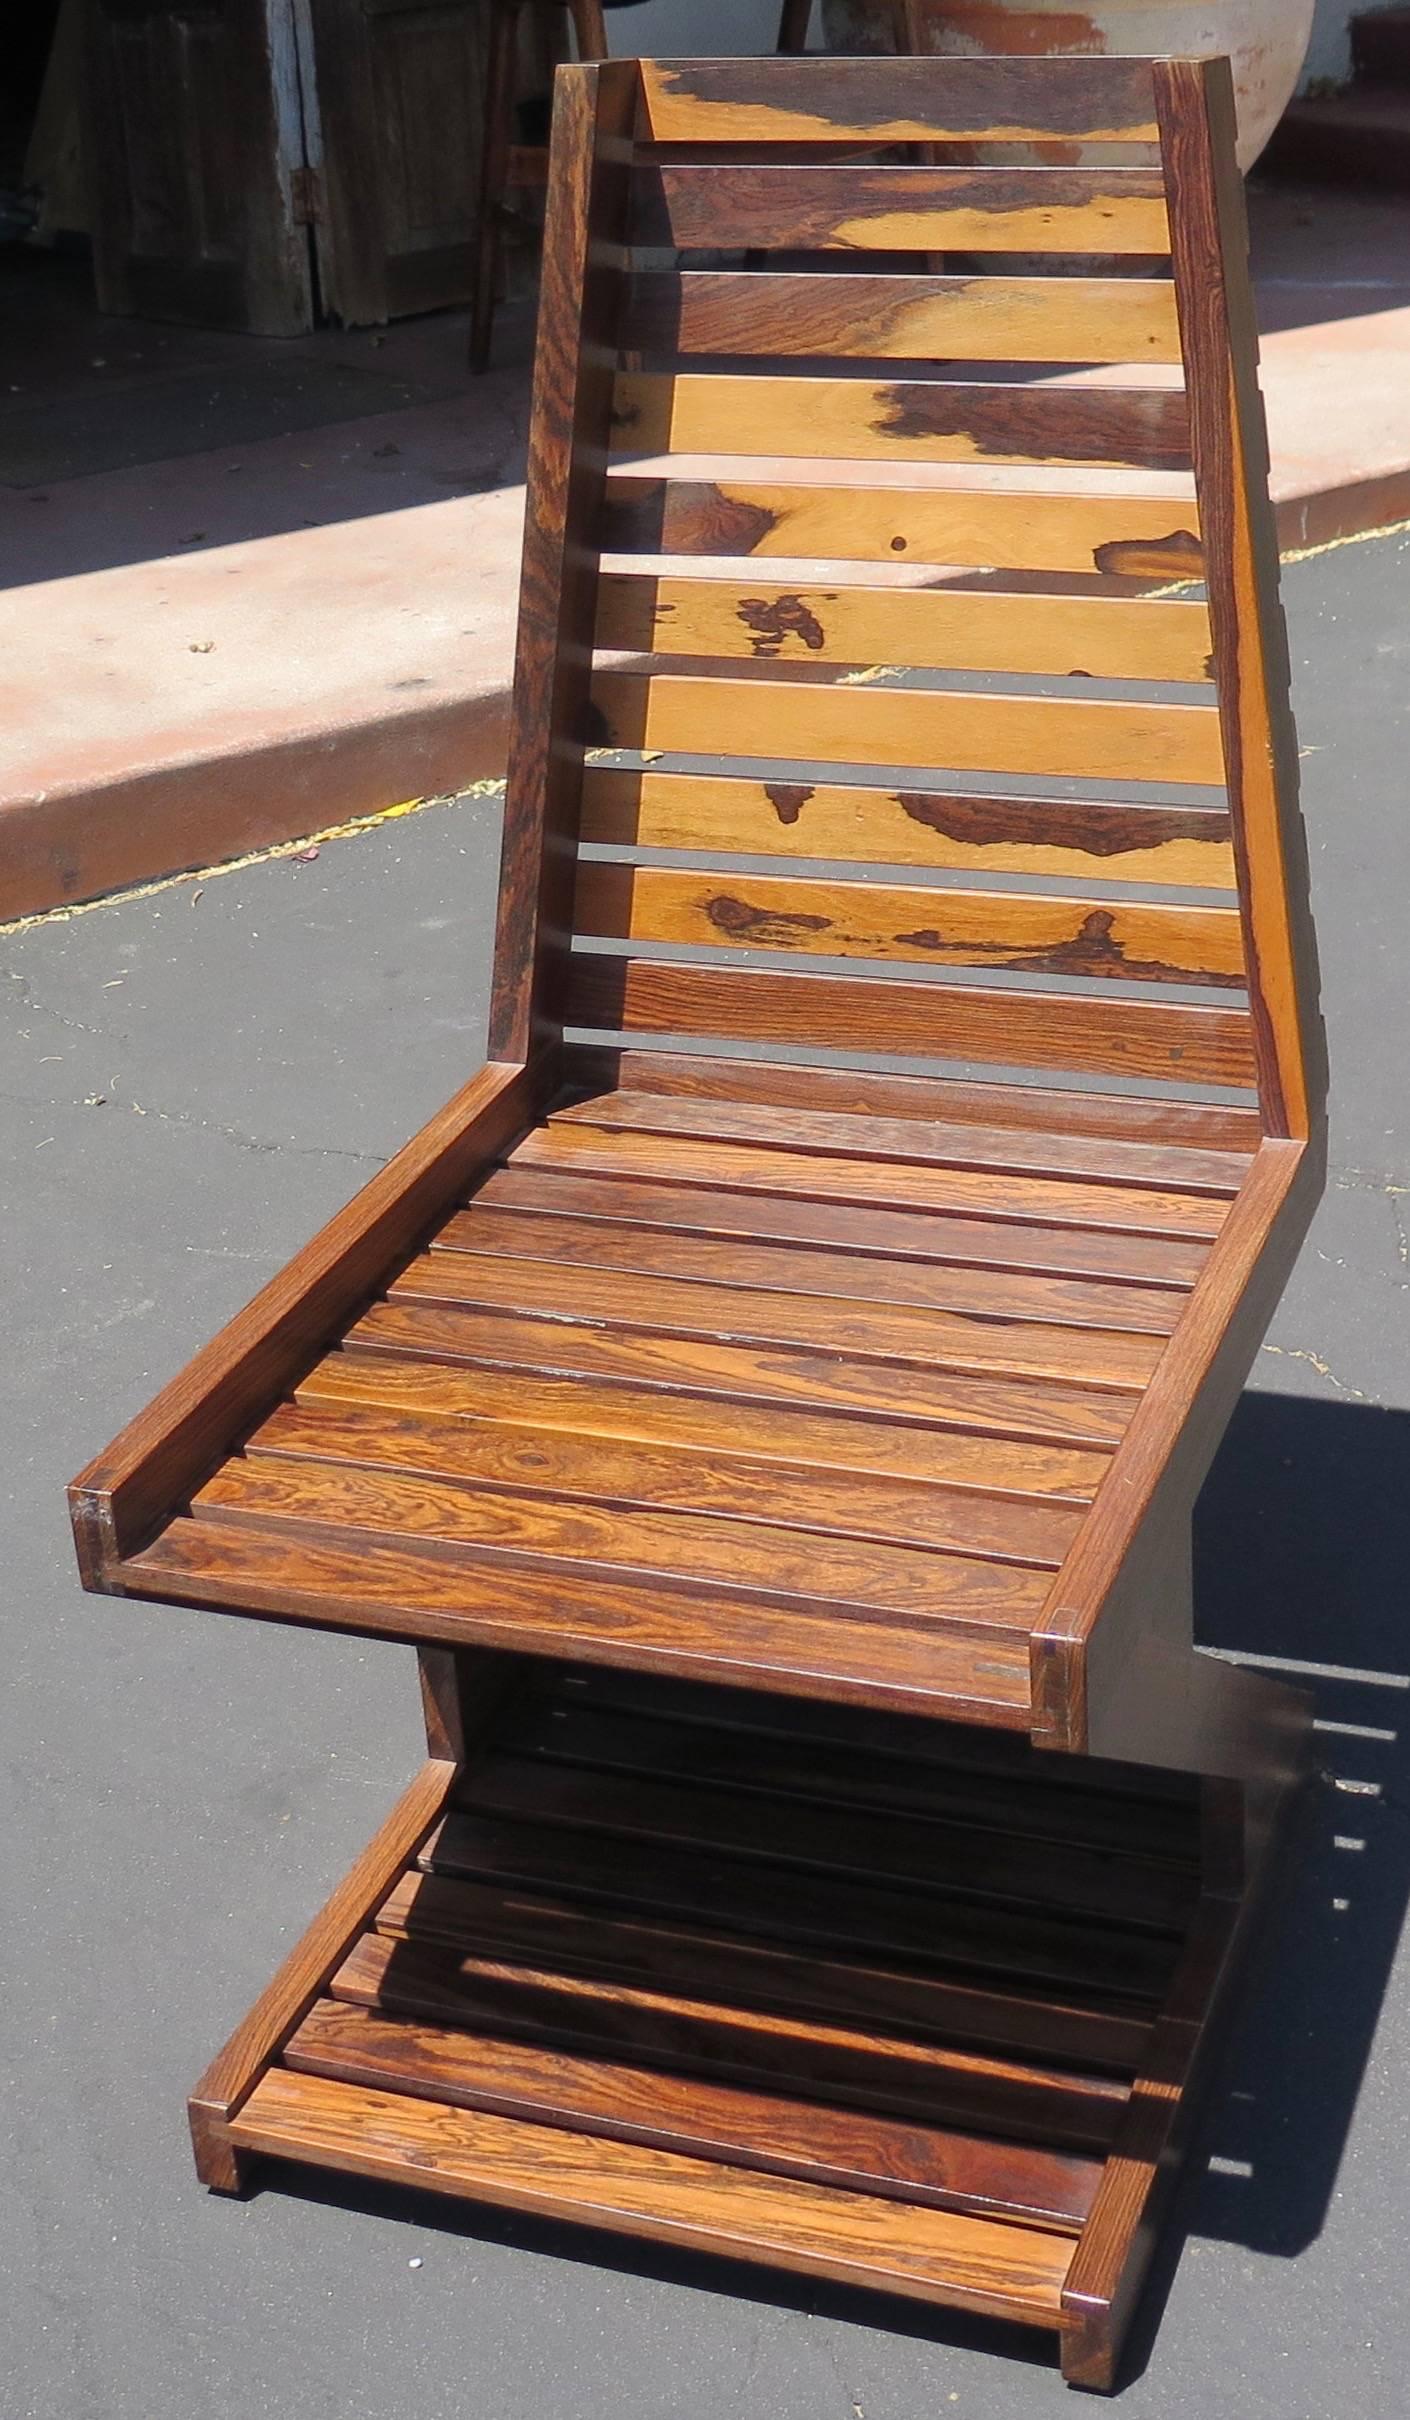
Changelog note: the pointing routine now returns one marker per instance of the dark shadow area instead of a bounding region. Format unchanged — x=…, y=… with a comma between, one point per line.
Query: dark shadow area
x=1302, y=1554
x=181, y=424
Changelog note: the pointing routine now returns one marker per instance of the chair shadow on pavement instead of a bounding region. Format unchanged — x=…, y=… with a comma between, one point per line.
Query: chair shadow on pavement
x=1302, y=1557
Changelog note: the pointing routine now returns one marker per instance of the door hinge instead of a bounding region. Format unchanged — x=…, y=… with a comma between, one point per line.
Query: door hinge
x=306, y=197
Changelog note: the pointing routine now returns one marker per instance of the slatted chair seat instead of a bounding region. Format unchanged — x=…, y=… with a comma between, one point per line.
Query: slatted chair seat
x=772, y=1396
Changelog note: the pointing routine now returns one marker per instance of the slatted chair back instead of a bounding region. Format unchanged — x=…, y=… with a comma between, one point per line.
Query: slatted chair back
x=969, y=576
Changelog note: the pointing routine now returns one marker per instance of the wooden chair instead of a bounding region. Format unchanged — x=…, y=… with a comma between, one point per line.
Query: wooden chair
x=832, y=1850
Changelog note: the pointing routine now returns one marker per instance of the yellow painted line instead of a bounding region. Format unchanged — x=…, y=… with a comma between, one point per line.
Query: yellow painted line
x=200, y=875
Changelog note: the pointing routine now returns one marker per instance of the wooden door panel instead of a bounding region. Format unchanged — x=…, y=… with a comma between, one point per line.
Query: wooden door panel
x=192, y=134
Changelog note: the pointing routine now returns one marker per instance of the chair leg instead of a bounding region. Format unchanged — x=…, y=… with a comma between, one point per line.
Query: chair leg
x=590, y=27
x=793, y=25
x=497, y=127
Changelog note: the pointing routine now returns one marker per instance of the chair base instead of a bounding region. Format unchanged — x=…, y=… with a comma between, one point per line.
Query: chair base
x=884, y=2002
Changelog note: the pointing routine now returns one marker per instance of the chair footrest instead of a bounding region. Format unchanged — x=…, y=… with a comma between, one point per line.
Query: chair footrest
x=873, y=2001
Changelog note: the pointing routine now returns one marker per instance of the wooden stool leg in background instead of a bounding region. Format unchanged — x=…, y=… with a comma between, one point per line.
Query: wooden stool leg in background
x=590, y=28
x=909, y=20
x=793, y=24
x=498, y=125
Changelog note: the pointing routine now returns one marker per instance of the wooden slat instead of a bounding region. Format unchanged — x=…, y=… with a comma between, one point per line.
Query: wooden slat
x=509, y=1532
x=1093, y=840
x=1001, y=100
x=544, y=1230
x=927, y=2084
x=979, y=1939
x=897, y=318
x=818, y=1439
x=405, y=1593
x=556, y=1463
x=938, y=1853
x=123, y=1495
x=1118, y=638
x=1054, y=737
x=870, y=206
x=991, y=1248
x=1037, y=1409
x=819, y=518
x=1131, y=941
x=878, y=1771
x=672, y=1306
x=1033, y=1150
x=1169, y=1039
x=935, y=2255
x=903, y=420
x=782, y=2136
x=671, y=1954
x=1125, y=1117
x=821, y=1176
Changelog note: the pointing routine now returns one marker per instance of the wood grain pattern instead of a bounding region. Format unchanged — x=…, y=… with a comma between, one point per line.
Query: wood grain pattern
x=901, y=420
x=541, y=1232
x=1119, y=638
x=1130, y=941
x=819, y=1439
x=833, y=1178
x=395, y=1592
x=1092, y=840
x=928, y=1239
x=673, y=1306
x=1038, y=1409
x=634, y=1476
x=620, y=2103
x=1050, y=736
x=1034, y=1149
x=991, y=318
x=976, y=2264
x=819, y=518
x=1004, y=100
x=672, y=1953
x=926, y=2084
x=1174, y=1040
x=511, y=1532
x=873, y=206
x=1021, y=1108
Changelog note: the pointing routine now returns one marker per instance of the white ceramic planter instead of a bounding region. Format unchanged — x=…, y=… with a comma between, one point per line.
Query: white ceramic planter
x=1266, y=40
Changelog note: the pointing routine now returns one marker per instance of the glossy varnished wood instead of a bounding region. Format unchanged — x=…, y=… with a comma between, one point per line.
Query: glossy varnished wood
x=703, y=311
x=901, y=420
x=886, y=206
x=817, y=515
x=1125, y=638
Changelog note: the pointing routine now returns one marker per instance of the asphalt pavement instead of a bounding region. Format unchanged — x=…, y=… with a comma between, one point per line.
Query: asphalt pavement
x=191, y=1082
